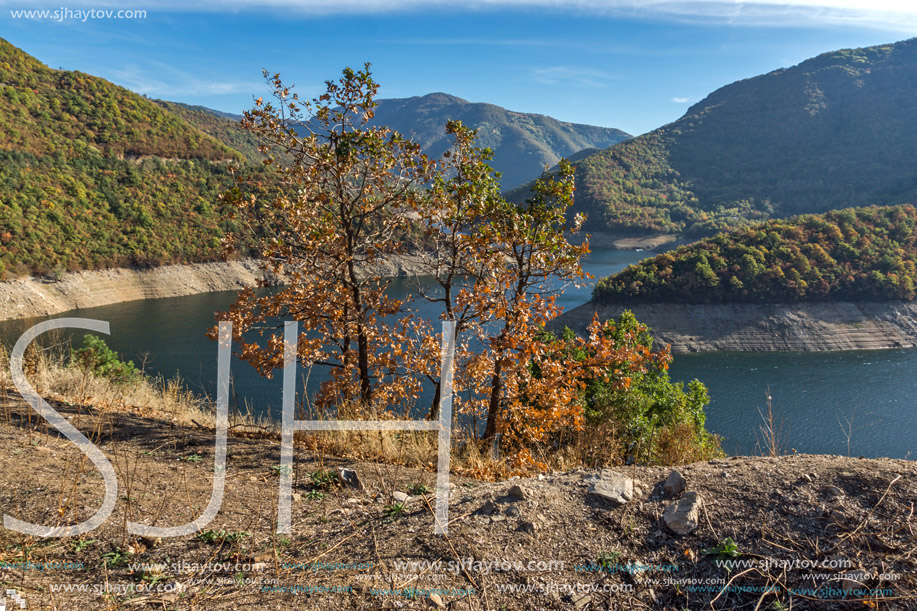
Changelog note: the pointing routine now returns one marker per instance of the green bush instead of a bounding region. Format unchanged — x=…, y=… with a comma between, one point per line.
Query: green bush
x=95, y=356
x=648, y=418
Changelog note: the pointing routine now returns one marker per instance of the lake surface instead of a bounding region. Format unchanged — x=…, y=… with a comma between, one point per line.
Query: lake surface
x=815, y=395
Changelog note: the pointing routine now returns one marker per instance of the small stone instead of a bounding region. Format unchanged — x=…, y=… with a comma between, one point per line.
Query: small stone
x=580, y=601
x=527, y=527
x=682, y=517
x=675, y=483
x=517, y=492
x=400, y=497
x=833, y=491
x=854, y=581
x=297, y=497
x=487, y=508
x=350, y=479
x=436, y=601
x=613, y=487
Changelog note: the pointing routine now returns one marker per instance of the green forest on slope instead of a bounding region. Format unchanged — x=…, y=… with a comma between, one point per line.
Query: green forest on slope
x=523, y=144
x=225, y=127
x=856, y=254
x=93, y=175
x=833, y=132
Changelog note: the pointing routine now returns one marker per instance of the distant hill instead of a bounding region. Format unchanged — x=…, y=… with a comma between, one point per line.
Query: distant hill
x=523, y=144
x=858, y=254
x=835, y=131
x=93, y=175
x=222, y=126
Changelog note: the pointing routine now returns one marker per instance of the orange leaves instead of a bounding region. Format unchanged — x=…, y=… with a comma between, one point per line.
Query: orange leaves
x=543, y=394
x=352, y=194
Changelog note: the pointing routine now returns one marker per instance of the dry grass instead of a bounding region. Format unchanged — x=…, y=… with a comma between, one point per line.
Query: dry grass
x=49, y=370
x=771, y=433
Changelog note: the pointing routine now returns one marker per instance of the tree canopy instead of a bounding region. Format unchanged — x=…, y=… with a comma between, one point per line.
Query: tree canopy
x=857, y=254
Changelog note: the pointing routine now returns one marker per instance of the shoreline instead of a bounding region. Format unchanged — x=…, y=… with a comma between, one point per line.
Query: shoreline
x=625, y=241
x=800, y=327
x=33, y=296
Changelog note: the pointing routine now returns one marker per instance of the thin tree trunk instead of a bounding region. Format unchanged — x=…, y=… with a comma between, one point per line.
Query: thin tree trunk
x=496, y=387
x=433, y=414
x=363, y=363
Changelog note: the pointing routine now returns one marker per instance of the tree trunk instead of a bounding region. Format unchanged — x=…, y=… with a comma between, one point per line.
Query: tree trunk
x=433, y=414
x=496, y=386
x=363, y=364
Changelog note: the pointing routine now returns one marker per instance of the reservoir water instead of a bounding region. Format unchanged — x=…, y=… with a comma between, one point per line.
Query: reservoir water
x=863, y=403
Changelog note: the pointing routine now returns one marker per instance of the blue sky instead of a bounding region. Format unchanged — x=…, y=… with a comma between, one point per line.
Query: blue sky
x=629, y=64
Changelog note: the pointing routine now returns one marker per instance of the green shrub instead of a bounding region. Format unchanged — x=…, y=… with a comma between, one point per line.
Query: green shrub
x=95, y=356
x=640, y=413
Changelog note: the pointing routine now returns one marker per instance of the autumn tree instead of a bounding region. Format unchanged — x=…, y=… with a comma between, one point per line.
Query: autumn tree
x=339, y=205
x=499, y=266
x=532, y=261
x=346, y=195
x=454, y=208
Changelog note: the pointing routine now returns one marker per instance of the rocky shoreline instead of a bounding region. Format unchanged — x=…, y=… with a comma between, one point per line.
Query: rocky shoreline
x=807, y=327
x=35, y=296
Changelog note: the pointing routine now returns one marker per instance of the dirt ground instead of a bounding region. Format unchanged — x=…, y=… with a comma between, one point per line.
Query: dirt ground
x=794, y=532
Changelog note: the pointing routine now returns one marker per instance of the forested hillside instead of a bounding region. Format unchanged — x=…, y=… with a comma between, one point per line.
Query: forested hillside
x=523, y=144
x=835, y=131
x=225, y=127
x=93, y=175
x=858, y=254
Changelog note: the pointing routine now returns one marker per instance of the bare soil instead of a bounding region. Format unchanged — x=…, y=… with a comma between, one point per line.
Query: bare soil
x=556, y=547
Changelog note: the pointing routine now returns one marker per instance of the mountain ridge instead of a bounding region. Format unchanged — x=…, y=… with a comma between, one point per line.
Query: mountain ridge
x=524, y=144
x=831, y=132
x=93, y=175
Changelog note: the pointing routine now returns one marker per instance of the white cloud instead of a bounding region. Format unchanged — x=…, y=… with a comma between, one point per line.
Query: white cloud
x=679, y=100
x=890, y=15
x=177, y=82
x=569, y=75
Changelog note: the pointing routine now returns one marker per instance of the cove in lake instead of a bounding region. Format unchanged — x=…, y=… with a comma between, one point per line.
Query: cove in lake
x=814, y=394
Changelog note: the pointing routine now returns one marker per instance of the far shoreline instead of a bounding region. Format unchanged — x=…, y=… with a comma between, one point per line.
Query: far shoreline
x=35, y=296
x=743, y=327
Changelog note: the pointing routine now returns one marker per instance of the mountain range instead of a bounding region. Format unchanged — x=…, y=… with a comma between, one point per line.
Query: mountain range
x=523, y=144
x=834, y=131
x=93, y=175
